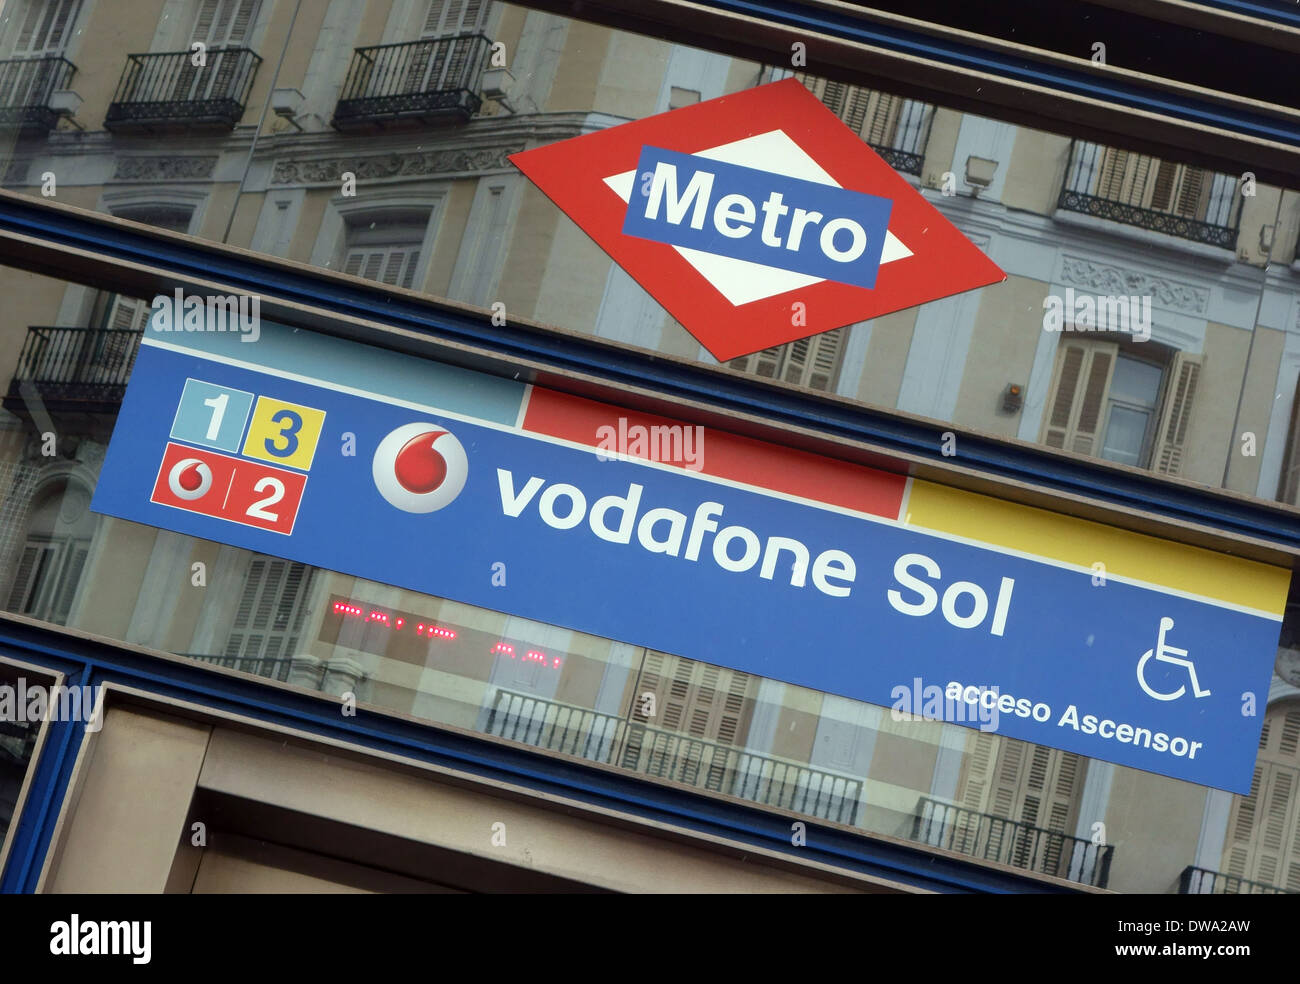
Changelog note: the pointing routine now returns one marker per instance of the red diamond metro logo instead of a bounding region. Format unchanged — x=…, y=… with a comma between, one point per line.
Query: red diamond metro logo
x=757, y=218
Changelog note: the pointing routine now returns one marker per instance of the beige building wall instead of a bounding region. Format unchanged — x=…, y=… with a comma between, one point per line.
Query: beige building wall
x=1002, y=346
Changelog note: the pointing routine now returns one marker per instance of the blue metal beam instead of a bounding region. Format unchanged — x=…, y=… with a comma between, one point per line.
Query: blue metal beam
x=94, y=662
x=1012, y=66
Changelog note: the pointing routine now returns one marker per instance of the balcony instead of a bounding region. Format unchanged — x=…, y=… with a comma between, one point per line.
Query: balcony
x=166, y=91
x=990, y=838
x=679, y=758
x=1132, y=189
x=1200, y=881
x=415, y=83
x=26, y=85
x=73, y=369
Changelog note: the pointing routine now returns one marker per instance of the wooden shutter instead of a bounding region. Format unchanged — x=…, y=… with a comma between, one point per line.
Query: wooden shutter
x=1176, y=414
x=45, y=27
x=871, y=114
x=1124, y=177
x=1263, y=840
x=450, y=17
x=766, y=363
x=224, y=22
x=812, y=362
x=1077, y=402
x=698, y=699
x=1029, y=784
x=22, y=592
x=392, y=265
x=270, y=614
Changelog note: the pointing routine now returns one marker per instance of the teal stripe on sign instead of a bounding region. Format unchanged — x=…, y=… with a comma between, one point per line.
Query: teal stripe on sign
x=336, y=360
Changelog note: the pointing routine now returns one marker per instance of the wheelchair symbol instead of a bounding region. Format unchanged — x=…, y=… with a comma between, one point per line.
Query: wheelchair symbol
x=1168, y=654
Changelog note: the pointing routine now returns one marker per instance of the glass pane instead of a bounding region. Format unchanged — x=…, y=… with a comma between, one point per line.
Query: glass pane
x=1135, y=382
x=1124, y=433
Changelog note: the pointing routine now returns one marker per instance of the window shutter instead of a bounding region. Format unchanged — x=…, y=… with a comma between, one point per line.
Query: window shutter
x=392, y=265
x=1176, y=414
x=1192, y=193
x=882, y=124
x=76, y=552
x=1078, y=400
x=224, y=22
x=26, y=578
x=450, y=17
x=45, y=26
x=270, y=614
x=765, y=363
x=698, y=701
x=813, y=362
x=1263, y=840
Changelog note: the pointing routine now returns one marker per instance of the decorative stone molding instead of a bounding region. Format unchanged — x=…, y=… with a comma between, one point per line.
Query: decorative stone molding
x=164, y=168
x=418, y=164
x=1101, y=278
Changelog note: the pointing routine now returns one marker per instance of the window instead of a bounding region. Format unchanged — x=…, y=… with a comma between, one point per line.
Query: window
x=1109, y=402
x=45, y=27
x=265, y=631
x=1032, y=786
x=885, y=121
x=812, y=362
x=695, y=714
x=447, y=18
x=386, y=250
x=123, y=318
x=48, y=572
x=220, y=24
x=1131, y=179
x=1263, y=841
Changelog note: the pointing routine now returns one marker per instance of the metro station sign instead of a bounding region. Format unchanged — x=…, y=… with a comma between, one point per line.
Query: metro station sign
x=757, y=218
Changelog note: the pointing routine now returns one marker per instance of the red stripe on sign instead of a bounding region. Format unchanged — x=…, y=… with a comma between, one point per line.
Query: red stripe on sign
x=714, y=452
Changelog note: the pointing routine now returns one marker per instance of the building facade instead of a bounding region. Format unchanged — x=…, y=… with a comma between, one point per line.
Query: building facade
x=371, y=140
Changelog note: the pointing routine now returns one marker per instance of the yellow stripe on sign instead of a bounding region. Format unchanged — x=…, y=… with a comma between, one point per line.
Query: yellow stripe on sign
x=1082, y=542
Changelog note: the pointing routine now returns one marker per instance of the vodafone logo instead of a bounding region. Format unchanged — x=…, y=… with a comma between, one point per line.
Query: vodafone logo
x=189, y=479
x=420, y=467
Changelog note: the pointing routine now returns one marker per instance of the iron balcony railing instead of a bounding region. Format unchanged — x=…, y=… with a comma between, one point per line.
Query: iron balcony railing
x=1201, y=881
x=680, y=758
x=906, y=152
x=74, y=368
x=426, y=82
x=26, y=85
x=1145, y=192
x=1012, y=842
x=272, y=669
x=168, y=90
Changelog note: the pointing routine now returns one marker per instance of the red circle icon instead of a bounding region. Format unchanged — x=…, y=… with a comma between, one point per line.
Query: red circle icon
x=189, y=479
x=420, y=467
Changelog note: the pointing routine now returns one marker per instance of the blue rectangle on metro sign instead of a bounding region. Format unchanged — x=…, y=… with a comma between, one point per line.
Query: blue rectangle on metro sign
x=743, y=213
x=1051, y=638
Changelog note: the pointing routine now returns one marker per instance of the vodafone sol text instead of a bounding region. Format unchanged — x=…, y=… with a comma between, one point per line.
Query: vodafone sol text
x=735, y=548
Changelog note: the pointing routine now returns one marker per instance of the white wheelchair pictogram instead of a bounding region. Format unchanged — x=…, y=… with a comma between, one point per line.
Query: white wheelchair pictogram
x=1168, y=654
